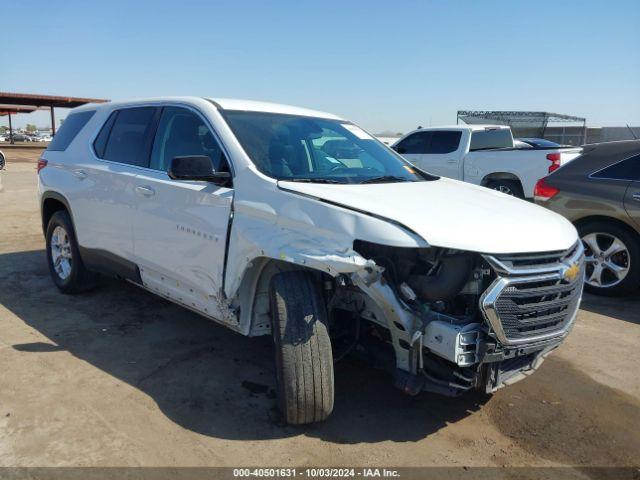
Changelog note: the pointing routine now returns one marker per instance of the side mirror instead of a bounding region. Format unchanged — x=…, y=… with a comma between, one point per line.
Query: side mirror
x=196, y=168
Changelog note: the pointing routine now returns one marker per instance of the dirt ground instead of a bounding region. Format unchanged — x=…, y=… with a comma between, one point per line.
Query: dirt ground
x=118, y=377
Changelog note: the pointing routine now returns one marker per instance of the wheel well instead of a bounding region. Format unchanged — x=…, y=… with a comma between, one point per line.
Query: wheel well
x=254, y=293
x=610, y=220
x=49, y=207
x=500, y=176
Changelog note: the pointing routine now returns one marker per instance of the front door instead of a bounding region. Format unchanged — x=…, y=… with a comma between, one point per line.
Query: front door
x=180, y=227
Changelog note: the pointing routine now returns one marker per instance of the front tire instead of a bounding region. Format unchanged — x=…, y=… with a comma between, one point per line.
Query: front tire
x=65, y=265
x=612, y=258
x=304, y=360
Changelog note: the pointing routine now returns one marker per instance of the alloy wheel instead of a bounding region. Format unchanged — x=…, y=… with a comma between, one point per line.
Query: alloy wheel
x=607, y=260
x=61, y=256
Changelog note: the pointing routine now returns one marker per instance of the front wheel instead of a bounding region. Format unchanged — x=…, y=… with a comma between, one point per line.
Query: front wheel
x=304, y=360
x=612, y=259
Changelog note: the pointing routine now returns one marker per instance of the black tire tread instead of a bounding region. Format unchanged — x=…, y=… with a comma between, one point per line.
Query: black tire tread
x=304, y=347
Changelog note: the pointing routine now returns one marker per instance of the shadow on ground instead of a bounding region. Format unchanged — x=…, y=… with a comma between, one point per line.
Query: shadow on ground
x=622, y=308
x=203, y=376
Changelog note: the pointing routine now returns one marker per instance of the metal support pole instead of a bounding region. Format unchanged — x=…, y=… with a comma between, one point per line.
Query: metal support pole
x=544, y=126
x=10, y=130
x=53, y=122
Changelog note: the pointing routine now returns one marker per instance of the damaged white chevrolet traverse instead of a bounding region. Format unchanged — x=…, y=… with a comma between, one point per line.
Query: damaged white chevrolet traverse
x=282, y=221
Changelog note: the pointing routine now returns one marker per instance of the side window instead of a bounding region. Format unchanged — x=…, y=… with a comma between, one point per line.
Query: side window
x=69, y=129
x=628, y=169
x=444, y=141
x=181, y=133
x=415, y=143
x=129, y=136
x=491, y=138
x=100, y=143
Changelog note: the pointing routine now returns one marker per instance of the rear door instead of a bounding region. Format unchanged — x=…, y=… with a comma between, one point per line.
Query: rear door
x=435, y=151
x=103, y=210
x=180, y=227
x=444, y=153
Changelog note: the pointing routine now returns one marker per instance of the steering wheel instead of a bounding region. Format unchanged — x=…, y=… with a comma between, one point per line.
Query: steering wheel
x=341, y=166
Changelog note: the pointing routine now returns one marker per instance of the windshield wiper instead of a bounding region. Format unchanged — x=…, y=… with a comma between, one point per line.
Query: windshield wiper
x=385, y=179
x=312, y=180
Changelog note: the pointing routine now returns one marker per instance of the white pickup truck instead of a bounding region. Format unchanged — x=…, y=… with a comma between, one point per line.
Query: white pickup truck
x=483, y=155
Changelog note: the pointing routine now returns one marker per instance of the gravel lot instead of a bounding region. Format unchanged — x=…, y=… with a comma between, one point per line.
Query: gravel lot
x=118, y=377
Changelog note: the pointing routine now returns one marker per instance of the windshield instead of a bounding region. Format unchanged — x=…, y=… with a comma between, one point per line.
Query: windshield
x=308, y=149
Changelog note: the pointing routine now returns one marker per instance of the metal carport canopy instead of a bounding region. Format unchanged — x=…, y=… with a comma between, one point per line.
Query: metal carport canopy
x=7, y=98
x=12, y=103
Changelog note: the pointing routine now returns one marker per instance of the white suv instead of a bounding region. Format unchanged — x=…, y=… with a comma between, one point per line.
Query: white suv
x=282, y=221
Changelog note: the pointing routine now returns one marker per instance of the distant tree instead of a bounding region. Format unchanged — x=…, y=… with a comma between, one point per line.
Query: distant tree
x=3, y=129
x=31, y=128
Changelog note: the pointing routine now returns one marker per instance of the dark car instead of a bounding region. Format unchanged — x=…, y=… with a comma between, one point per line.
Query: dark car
x=600, y=193
x=20, y=137
x=536, y=143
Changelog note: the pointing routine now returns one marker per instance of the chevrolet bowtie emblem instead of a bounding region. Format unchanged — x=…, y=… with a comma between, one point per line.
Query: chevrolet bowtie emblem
x=571, y=272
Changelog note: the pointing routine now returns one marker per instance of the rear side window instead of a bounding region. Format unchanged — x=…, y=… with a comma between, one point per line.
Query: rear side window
x=628, y=169
x=129, y=140
x=415, y=143
x=444, y=141
x=100, y=143
x=493, y=138
x=69, y=129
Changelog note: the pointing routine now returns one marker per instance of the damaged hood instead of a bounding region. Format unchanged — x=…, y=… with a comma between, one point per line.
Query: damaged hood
x=452, y=214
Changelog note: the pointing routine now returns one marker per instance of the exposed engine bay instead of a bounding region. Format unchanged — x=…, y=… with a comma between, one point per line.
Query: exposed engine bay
x=433, y=310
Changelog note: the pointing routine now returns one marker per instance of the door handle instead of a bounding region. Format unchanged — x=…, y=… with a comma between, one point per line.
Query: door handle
x=80, y=174
x=452, y=160
x=636, y=196
x=145, y=191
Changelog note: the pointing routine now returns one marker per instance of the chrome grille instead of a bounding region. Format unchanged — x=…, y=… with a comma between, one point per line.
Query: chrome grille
x=533, y=297
x=528, y=263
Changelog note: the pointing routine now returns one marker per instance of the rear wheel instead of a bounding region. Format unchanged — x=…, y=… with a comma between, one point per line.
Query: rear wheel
x=612, y=258
x=65, y=265
x=510, y=187
x=304, y=360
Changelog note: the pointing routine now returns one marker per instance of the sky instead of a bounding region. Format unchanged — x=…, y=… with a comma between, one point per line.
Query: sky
x=388, y=66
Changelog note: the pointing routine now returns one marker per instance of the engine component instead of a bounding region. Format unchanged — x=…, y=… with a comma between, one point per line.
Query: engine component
x=451, y=276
